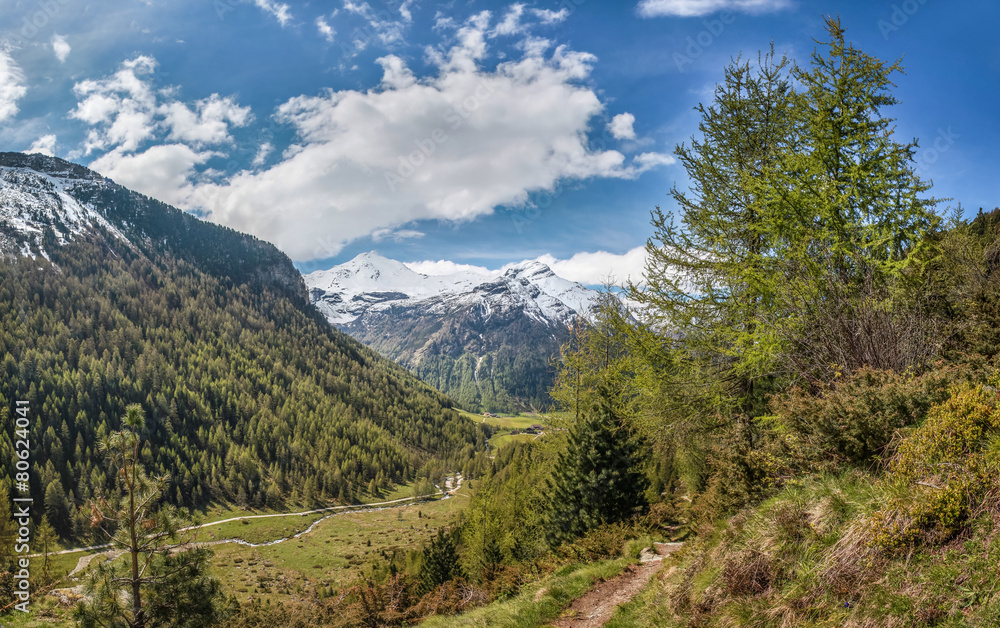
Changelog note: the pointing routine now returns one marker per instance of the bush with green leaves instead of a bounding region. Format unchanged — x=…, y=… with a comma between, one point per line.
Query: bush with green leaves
x=854, y=419
x=943, y=471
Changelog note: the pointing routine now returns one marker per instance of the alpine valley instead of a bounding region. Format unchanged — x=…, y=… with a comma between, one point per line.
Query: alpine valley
x=109, y=298
x=488, y=340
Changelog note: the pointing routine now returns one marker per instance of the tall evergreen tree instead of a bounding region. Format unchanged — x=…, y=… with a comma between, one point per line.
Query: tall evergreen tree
x=132, y=519
x=597, y=478
x=57, y=508
x=853, y=219
x=709, y=277
x=440, y=560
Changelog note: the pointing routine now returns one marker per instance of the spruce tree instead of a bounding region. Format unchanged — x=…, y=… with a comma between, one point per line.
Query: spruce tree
x=440, y=560
x=57, y=508
x=597, y=478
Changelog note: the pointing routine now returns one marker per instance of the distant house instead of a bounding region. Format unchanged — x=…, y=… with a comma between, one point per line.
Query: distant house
x=537, y=428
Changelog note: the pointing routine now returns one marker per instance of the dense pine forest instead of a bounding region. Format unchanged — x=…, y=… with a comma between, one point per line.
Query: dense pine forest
x=251, y=397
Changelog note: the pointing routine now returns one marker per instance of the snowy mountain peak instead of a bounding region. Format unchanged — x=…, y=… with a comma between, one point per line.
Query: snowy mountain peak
x=370, y=283
x=486, y=338
x=38, y=199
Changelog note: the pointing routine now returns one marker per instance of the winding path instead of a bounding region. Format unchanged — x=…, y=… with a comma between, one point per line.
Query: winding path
x=595, y=608
x=446, y=492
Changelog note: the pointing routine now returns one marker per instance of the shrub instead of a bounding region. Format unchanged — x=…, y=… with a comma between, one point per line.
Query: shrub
x=942, y=471
x=853, y=420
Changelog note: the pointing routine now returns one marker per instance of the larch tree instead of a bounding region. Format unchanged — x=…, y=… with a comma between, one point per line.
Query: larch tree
x=156, y=583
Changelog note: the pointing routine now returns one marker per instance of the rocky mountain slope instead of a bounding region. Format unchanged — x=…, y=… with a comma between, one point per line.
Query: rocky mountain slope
x=486, y=339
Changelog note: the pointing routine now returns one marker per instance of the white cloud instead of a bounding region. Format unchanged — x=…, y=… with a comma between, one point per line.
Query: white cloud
x=652, y=160
x=696, y=8
x=595, y=268
x=511, y=23
x=163, y=172
x=382, y=25
x=445, y=267
x=621, y=126
x=121, y=107
x=12, y=88
x=548, y=16
x=396, y=235
x=450, y=146
x=404, y=10
x=45, y=145
x=279, y=10
x=325, y=29
x=61, y=48
x=151, y=141
x=263, y=151
x=207, y=123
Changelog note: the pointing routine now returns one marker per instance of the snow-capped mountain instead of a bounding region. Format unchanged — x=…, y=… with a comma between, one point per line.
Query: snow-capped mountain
x=39, y=195
x=485, y=338
x=47, y=203
x=370, y=282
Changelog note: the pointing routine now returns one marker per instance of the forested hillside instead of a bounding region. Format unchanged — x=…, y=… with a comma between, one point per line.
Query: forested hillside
x=250, y=395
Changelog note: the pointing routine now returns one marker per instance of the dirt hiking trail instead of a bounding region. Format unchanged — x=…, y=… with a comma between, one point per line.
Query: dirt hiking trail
x=594, y=608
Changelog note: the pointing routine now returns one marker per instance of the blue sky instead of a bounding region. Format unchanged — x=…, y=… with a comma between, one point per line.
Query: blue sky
x=468, y=132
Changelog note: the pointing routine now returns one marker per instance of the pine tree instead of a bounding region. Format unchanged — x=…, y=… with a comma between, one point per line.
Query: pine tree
x=57, y=508
x=145, y=587
x=596, y=479
x=440, y=560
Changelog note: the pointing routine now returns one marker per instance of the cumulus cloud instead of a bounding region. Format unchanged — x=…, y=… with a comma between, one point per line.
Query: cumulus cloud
x=696, y=8
x=511, y=23
x=621, y=126
x=279, y=10
x=45, y=145
x=207, y=123
x=325, y=29
x=445, y=267
x=263, y=151
x=150, y=141
x=61, y=48
x=451, y=146
x=164, y=172
x=121, y=107
x=595, y=268
x=12, y=87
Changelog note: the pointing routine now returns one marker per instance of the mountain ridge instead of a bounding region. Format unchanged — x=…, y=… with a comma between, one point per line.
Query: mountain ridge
x=52, y=189
x=109, y=298
x=487, y=339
